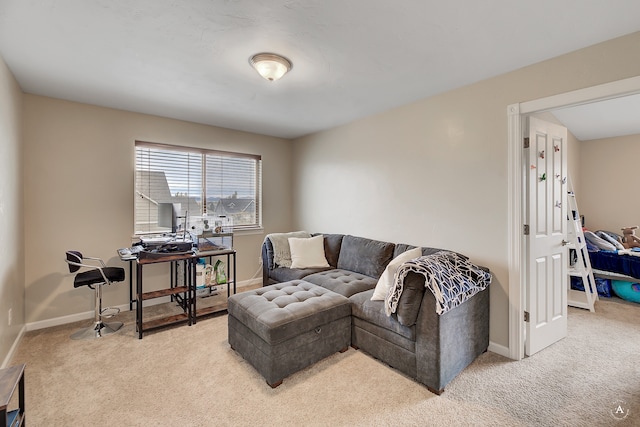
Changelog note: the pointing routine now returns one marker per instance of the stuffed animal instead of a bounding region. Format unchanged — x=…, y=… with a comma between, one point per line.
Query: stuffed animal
x=629, y=238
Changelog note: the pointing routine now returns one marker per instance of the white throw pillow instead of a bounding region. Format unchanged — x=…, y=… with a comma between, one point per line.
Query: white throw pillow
x=386, y=279
x=307, y=253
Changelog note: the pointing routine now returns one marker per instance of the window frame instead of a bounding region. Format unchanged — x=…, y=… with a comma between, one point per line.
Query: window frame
x=203, y=152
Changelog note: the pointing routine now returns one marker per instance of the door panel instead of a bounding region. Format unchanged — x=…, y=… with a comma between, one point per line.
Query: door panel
x=546, y=296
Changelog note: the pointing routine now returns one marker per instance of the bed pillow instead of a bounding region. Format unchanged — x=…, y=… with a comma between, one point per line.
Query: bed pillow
x=609, y=238
x=600, y=243
x=386, y=279
x=307, y=252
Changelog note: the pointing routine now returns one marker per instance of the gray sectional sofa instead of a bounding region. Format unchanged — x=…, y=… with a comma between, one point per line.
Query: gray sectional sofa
x=425, y=346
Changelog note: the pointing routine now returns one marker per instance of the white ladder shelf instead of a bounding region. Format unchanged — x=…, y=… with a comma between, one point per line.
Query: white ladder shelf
x=582, y=267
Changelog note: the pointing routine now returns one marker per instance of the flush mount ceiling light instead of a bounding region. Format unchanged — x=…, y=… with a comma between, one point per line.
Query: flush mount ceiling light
x=270, y=66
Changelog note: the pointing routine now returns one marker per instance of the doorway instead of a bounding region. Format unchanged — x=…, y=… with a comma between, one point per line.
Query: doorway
x=517, y=115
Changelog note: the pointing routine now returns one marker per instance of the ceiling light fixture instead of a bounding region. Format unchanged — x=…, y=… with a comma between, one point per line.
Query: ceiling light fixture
x=270, y=66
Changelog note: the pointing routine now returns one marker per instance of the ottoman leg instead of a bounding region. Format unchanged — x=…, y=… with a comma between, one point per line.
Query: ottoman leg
x=274, y=385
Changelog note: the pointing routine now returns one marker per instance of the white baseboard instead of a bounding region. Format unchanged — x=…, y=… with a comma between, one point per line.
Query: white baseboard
x=499, y=349
x=63, y=320
x=250, y=282
x=13, y=348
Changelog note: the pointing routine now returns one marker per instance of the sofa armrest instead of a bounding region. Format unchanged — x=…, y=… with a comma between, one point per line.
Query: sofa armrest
x=267, y=261
x=410, y=301
x=448, y=343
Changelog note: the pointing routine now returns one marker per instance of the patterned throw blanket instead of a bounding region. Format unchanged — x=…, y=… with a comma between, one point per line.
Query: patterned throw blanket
x=450, y=276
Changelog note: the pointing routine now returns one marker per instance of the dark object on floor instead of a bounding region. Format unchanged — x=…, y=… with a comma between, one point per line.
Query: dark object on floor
x=602, y=285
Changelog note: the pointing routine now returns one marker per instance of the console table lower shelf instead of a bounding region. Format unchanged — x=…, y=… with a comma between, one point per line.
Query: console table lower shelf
x=211, y=309
x=185, y=316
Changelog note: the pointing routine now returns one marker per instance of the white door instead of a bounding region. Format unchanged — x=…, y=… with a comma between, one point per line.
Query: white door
x=546, y=293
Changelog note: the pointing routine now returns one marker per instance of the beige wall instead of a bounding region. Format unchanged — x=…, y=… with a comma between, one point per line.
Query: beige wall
x=79, y=175
x=609, y=198
x=430, y=173
x=434, y=172
x=11, y=212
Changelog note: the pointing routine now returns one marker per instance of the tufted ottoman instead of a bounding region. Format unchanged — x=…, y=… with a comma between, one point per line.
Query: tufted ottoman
x=283, y=328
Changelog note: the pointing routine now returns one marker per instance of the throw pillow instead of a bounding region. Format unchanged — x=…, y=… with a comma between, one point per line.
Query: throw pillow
x=308, y=253
x=386, y=279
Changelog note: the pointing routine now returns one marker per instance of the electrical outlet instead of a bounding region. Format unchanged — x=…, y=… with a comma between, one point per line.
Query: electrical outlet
x=10, y=316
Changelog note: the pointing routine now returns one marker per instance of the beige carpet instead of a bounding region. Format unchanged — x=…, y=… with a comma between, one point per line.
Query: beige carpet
x=189, y=376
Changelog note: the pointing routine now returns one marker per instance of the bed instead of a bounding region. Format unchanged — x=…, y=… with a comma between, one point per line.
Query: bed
x=611, y=265
x=623, y=270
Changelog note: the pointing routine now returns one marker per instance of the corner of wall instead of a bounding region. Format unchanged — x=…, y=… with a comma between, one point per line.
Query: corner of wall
x=12, y=288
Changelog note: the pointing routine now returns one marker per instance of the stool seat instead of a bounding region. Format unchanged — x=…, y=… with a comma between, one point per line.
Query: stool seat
x=93, y=277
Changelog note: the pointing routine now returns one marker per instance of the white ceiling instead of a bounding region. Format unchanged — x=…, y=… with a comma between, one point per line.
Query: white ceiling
x=602, y=119
x=188, y=59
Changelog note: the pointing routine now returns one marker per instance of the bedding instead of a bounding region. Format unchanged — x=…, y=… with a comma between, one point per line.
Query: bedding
x=612, y=261
x=603, y=285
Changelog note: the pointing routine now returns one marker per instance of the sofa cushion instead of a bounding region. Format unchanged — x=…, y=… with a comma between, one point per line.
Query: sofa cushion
x=403, y=247
x=365, y=256
x=332, y=244
x=284, y=274
x=343, y=282
x=373, y=312
x=400, y=248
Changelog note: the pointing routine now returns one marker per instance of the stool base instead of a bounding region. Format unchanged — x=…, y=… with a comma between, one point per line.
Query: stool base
x=99, y=329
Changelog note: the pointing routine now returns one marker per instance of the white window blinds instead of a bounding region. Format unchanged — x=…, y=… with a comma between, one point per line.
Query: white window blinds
x=196, y=181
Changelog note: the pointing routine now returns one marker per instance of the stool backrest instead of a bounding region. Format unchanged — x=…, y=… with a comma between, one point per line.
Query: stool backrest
x=74, y=257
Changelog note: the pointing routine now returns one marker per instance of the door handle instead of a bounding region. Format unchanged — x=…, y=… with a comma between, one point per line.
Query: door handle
x=564, y=242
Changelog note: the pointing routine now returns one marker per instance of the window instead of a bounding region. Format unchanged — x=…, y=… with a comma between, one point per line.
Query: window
x=196, y=181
